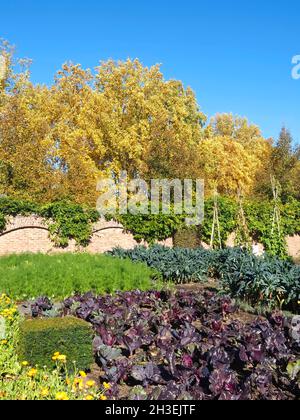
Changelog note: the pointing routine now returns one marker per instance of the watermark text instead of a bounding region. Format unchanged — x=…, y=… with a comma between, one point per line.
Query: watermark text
x=158, y=196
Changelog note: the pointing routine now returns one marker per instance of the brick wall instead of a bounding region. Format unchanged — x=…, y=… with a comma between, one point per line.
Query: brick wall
x=36, y=239
x=107, y=236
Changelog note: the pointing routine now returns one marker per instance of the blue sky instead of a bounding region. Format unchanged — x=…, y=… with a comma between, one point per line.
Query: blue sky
x=236, y=55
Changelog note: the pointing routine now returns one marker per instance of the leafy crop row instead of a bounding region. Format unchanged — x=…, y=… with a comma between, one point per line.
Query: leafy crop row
x=259, y=280
x=162, y=345
x=28, y=276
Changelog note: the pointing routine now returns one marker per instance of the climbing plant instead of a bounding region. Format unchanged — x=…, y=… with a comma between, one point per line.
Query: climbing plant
x=277, y=243
x=65, y=220
x=254, y=219
x=69, y=221
x=2, y=222
x=151, y=227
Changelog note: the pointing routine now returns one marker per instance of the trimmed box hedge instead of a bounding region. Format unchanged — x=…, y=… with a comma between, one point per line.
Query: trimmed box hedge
x=188, y=237
x=41, y=338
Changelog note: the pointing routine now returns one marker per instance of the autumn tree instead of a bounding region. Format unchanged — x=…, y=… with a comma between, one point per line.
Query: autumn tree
x=6, y=58
x=232, y=155
x=154, y=125
x=57, y=141
x=24, y=134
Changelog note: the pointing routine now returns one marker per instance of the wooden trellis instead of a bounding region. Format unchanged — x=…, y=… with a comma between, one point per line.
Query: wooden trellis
x=243, y=238
x=276, y=222
x=216, y=231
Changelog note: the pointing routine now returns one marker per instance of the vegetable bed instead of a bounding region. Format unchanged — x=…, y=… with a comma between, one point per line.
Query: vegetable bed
x=171, y=346
x=29, y=276
x=266, y=281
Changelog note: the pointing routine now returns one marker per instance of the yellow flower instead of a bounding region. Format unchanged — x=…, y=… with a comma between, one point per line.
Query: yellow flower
x=4, y=342
x=78, y=382
x=62, y=358
x=82, y=374
x=68, y=382
x=25, y=363
x=90, y=384
x=103, y=398
x=106, y=385
x=44, y=392
x=32, y=372
x=62, y=396
x=57, y=356
x=89, y=398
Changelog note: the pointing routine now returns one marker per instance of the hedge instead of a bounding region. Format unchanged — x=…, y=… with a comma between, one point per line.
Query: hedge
x=188, y=237
x=41, y=338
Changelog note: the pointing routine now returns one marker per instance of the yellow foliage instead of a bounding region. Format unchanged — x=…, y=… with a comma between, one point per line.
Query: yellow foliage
x=232, y=155
x=57, y=141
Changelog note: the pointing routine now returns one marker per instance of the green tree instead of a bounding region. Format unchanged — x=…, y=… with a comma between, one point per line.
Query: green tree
x=285, y=163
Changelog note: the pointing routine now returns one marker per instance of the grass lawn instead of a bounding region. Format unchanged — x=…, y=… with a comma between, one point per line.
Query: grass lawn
x=28, y=276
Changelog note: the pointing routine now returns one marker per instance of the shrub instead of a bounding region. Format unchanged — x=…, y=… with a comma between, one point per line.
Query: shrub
x=41, y=338
x=188, y=237
x=29, y=276
x=21, y=381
